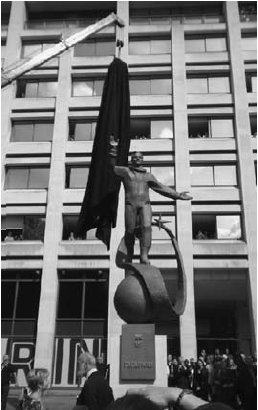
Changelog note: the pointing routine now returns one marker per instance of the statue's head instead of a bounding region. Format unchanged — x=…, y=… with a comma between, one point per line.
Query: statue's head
x=137, y=159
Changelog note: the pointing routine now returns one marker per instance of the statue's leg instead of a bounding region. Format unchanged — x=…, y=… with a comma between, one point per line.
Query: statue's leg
x=145, y=238
x=130, y=224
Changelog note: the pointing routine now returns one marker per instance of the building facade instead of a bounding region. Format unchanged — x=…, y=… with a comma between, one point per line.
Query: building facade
x=192, y=69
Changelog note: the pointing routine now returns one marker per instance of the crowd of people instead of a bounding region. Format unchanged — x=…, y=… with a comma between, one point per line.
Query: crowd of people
x=221, y=377
x=218, y=381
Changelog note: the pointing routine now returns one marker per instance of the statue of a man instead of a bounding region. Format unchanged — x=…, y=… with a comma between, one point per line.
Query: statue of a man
x=138, y=213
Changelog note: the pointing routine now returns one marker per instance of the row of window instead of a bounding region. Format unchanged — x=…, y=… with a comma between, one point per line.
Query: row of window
x=205, y=226
x=142, y=46
x=40, y=88
x=88, y=306
x=188, y=15
x=140, y=128
x=76, y=176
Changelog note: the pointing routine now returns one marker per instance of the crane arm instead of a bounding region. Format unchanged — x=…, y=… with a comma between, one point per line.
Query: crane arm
x=10, y=75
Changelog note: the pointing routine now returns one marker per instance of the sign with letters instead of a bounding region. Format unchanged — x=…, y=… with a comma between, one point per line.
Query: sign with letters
x=67, y=351
x=137, y=360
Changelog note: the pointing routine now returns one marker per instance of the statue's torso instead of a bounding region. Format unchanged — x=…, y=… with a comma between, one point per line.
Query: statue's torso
x=136, y=186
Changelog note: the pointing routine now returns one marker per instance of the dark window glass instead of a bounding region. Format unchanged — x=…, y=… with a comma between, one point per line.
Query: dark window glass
x=25, y=327
x=70, y=300
x=140, y=128
x=34, y=227
x=28, y=300
x=253, y=124
x=96, y=300
x=69, y=226
x=198, y=127
x=8, y=296
x=204, y=226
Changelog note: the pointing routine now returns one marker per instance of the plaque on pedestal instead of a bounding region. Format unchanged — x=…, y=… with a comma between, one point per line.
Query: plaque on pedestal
x=137, y=352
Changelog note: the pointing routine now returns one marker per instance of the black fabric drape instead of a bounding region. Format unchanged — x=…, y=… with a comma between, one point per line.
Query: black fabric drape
x=99, y=207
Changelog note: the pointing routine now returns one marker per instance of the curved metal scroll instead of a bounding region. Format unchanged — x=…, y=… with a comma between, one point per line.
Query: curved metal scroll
x=163, y=305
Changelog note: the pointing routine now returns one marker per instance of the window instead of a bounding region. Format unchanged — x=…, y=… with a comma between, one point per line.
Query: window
x=23, y=227
x=32, y=49
x=193, y=15
x=140, y=128
x=31, y=131
x=87, y=88
x=27, y=178
x=70, y=227
x=251, y=82
x=152, y=46
x=161, y=129
x=202, y=127
x=199, y=44
x=145, y=128
x=3, y=52
x=209, y=226
x=76, y=177
x=253, y=124
x=248, y=11
x=85, y=314
x=95, y=47
x=216, y=175
x=203, y=85
x=164, y=174
x=82, y=131
x=153, y=86
x=249, y=42
x=36, y=88
x=20, y=303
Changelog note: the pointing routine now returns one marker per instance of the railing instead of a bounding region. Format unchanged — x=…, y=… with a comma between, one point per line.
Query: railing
x=69, y=23
x=195, y=19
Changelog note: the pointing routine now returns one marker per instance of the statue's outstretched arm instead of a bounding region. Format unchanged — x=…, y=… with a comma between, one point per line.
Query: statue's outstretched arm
x=119, y=171
x=166, y=190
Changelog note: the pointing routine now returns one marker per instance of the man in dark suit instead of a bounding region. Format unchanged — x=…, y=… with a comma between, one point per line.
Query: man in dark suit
x=96, y=394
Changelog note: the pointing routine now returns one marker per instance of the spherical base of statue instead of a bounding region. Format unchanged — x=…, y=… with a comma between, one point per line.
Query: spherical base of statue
x=132, y=301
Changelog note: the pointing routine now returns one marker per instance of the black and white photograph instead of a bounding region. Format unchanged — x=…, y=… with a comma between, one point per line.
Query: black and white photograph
x=129, y=205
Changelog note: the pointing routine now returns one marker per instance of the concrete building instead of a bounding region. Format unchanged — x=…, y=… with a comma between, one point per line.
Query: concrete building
x=192, y=68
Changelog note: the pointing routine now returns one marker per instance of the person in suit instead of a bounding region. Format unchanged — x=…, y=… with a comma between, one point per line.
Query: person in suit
x=96, y=394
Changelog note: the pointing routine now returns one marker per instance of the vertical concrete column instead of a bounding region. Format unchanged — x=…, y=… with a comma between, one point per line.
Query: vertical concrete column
x=13, y=54
x=53, y=228
x=116, y=275
x=182, y=174
x=244, y=152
